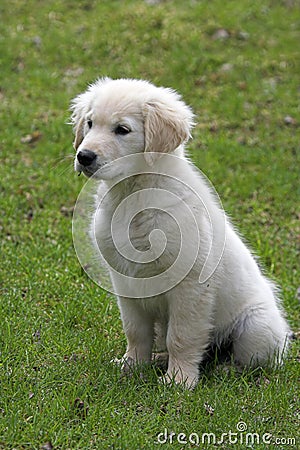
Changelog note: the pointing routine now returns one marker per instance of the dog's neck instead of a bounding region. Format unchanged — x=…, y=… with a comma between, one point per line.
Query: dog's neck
x=140, y=177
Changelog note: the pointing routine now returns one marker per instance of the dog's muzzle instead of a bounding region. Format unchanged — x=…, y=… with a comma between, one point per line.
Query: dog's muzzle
x=86, y=157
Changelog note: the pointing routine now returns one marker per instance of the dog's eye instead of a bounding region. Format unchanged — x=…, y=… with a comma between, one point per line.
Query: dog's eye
x=121, y=129
x=90, y=123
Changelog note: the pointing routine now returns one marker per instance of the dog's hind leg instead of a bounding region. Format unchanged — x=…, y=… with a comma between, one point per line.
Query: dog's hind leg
x=260, y=337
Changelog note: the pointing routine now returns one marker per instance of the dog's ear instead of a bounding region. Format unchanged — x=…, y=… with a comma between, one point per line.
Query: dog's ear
x=167, y=125
x=79, y=108
x=78, y=129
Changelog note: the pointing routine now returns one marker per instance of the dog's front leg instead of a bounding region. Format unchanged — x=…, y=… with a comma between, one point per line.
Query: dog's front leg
x=189, y=330
x=138, y=326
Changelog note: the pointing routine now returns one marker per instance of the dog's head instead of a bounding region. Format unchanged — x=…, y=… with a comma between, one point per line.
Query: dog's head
x=116, y=118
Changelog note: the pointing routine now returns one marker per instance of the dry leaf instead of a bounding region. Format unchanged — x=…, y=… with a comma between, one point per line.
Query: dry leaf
x=81, y=409
x=288, y=120
x=67, y=211
x=30, y=138
x=209, y=409
x=47, y=446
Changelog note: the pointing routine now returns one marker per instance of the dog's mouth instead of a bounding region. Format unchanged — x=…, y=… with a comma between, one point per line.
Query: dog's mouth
x=102, y=170
x=89, y=170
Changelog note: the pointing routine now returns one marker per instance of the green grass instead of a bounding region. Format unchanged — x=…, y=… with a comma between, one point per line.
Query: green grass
x=58, y=330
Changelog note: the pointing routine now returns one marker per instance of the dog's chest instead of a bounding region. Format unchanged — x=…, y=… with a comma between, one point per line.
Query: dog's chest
x=135, y=236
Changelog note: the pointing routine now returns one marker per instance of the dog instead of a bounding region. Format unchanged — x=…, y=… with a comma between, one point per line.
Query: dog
x=130, y=137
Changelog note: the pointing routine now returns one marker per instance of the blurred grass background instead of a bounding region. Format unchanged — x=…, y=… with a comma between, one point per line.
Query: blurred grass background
x=237, y=65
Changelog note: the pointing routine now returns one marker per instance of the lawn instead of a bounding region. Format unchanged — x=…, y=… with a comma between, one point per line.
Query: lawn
x=237, y=64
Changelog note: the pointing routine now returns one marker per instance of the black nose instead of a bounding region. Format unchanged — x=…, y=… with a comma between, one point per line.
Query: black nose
x=86, y=157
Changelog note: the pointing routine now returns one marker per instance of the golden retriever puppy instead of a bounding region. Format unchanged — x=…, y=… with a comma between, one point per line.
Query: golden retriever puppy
x=183, y=277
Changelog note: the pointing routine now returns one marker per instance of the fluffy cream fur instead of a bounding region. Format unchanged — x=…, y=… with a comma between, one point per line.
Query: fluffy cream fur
x=237, y=303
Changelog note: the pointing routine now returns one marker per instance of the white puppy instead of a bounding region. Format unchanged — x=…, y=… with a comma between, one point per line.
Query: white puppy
x=194, y=283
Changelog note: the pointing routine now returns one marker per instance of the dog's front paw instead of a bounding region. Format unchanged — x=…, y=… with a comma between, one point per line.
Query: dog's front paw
x=180, y=378
x=126, y=363
x=130, y=367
